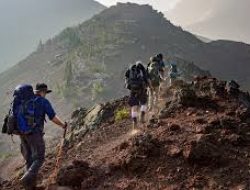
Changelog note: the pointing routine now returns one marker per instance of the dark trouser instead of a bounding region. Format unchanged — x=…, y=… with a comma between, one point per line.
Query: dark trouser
x=33, y=151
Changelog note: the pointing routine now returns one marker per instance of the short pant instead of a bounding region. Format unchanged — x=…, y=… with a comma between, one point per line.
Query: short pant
x=138, y=98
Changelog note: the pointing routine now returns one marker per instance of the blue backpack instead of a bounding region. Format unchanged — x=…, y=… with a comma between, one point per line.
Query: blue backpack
x=21, y=118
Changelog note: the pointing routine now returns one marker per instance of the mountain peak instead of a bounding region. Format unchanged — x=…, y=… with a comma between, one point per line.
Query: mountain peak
x=131, y=12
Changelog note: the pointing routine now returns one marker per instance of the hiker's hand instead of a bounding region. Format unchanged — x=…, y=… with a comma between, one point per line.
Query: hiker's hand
x=65, y=125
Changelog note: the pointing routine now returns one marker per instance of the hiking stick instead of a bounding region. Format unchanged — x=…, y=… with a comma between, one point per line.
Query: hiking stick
x=53, y=177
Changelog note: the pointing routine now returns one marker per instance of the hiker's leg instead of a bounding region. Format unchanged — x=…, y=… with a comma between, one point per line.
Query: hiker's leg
x=162, y=79
x=134, y=103
x=26, y=152
x=162, y=74
x=143, y=103
x=156, y=98
x=134, y=115
x=38, y=151
x=171, y=81
x=150, y=99
x=157, y=91
x=143, y=113
x=37, y=145
x=153, y=104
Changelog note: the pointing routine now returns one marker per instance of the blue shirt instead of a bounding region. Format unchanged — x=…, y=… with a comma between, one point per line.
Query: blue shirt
x=42, y=108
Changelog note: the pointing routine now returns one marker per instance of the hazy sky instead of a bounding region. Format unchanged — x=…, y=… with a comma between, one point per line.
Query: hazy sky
x=161, y=5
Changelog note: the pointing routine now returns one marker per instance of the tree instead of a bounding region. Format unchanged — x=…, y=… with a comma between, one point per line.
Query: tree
x=68, y=76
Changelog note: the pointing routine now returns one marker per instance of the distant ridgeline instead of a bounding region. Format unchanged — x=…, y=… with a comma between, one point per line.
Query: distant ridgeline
x=25, y=23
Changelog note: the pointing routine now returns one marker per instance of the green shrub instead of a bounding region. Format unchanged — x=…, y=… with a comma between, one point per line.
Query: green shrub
x=121, y=114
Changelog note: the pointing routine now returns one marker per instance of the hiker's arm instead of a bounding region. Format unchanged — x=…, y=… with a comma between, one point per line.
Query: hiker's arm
x=59, y=122
x=52, y=115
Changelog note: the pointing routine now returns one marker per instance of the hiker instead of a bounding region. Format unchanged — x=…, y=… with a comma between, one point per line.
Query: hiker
x=153, y=70
x=34, y=106
x=173, y=73
x=137, y=82
x=161, y=65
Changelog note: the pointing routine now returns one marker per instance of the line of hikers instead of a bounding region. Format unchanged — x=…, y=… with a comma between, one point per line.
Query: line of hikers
x=29, y=109
x=145, y=84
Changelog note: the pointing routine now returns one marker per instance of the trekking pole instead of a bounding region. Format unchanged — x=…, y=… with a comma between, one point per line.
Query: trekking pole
x=53, y=177
x=65, y=130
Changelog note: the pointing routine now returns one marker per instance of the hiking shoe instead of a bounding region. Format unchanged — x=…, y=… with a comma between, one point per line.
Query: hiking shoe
x=28, y=182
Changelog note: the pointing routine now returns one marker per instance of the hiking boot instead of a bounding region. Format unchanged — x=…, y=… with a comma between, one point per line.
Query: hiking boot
x=28, y=186
x=134, y=123
x=142, y=117
x=28, y=181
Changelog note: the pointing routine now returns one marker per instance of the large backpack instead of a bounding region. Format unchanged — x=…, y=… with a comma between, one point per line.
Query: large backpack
x=135, y=80
x=21, y=117
x=153, y=72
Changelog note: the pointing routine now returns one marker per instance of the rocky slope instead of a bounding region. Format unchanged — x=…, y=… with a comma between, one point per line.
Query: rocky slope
x=199, y=140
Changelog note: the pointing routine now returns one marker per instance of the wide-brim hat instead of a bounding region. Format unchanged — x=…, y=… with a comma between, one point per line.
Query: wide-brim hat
x=42, y=87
